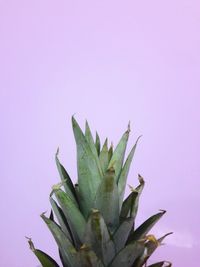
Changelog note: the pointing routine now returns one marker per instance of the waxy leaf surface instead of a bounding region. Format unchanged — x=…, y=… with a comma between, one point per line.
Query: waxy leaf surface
x=89, y=170
x=98, y=236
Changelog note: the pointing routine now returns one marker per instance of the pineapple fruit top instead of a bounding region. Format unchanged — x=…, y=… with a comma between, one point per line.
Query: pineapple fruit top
x=91, y=222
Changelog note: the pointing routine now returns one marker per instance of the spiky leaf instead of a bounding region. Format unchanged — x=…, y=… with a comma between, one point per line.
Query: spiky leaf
x=120, y=236
x=67, y=182
x=130, y=204
x=127, y=256
x=124, y=173
x=90, y=140
x=72, y=213
x=118, y=154
x=89, y=170
x=98, y=236
x=68, y=251
x=110, y=152
x=103, y=157
x=151, y=244
x=98, y=144
x=44, y=258
x=144, y=228
x=88, y=258
x=61, y=218
x=107, y=200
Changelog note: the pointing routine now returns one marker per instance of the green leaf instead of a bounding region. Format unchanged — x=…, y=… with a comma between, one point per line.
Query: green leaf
x=44, y=258
x=103, y=157
x=110, y=152
x=90, y=140
x=151, y=244
x=130, y=204
x=98, y=144
x=62, y=259
x=69, y=253
x=76, y=187
x=127, y=256
x=61, y=219
x=98, y=237
x=161, y=264
x=107, y=200
x=124, y=173
x=73, y=215
x=88, y=258
x=144, y=228
x=160, y=240
x=67, y=182
x=118, y=155
x=120, y=236
x=89, y=170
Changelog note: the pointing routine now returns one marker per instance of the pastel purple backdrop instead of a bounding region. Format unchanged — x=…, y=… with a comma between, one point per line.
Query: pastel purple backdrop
x=109, y=62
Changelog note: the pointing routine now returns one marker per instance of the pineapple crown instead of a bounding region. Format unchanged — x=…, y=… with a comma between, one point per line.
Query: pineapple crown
x=94, y=224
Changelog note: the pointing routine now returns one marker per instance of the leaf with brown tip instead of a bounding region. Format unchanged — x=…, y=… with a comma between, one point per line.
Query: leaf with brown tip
x=144, y=228
x=44, y=258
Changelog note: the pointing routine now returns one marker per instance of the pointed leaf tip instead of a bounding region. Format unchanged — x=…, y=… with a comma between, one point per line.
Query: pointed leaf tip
x=117, y=158
x=163, y=211
x=129, y=127
x=163, y=237
x=87, y=127
x=141, y=180
x=74, y=122
x=97, y=144
x=31, y=245
x=57, y=151
x=43, y=214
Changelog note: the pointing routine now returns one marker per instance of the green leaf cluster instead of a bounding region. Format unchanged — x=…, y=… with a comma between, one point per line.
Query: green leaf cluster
x=94, y=226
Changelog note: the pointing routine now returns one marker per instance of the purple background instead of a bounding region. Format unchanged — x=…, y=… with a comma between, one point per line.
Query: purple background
x=109, y=62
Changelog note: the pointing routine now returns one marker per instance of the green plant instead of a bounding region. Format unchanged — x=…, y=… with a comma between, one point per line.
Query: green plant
x=95, y=227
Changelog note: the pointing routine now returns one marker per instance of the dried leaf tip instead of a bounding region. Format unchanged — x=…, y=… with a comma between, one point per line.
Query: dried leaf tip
x=95, y=211
x=30, y=243
x=43, y=214
x=163, y=237
x=140, y=178
x=129, y=127
x=132, y=189
x=152, y=238
x=58, y=186
x=163, y=211
x=73, y=115
x=170, y=233
x=85, y=247
x=140, y=136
